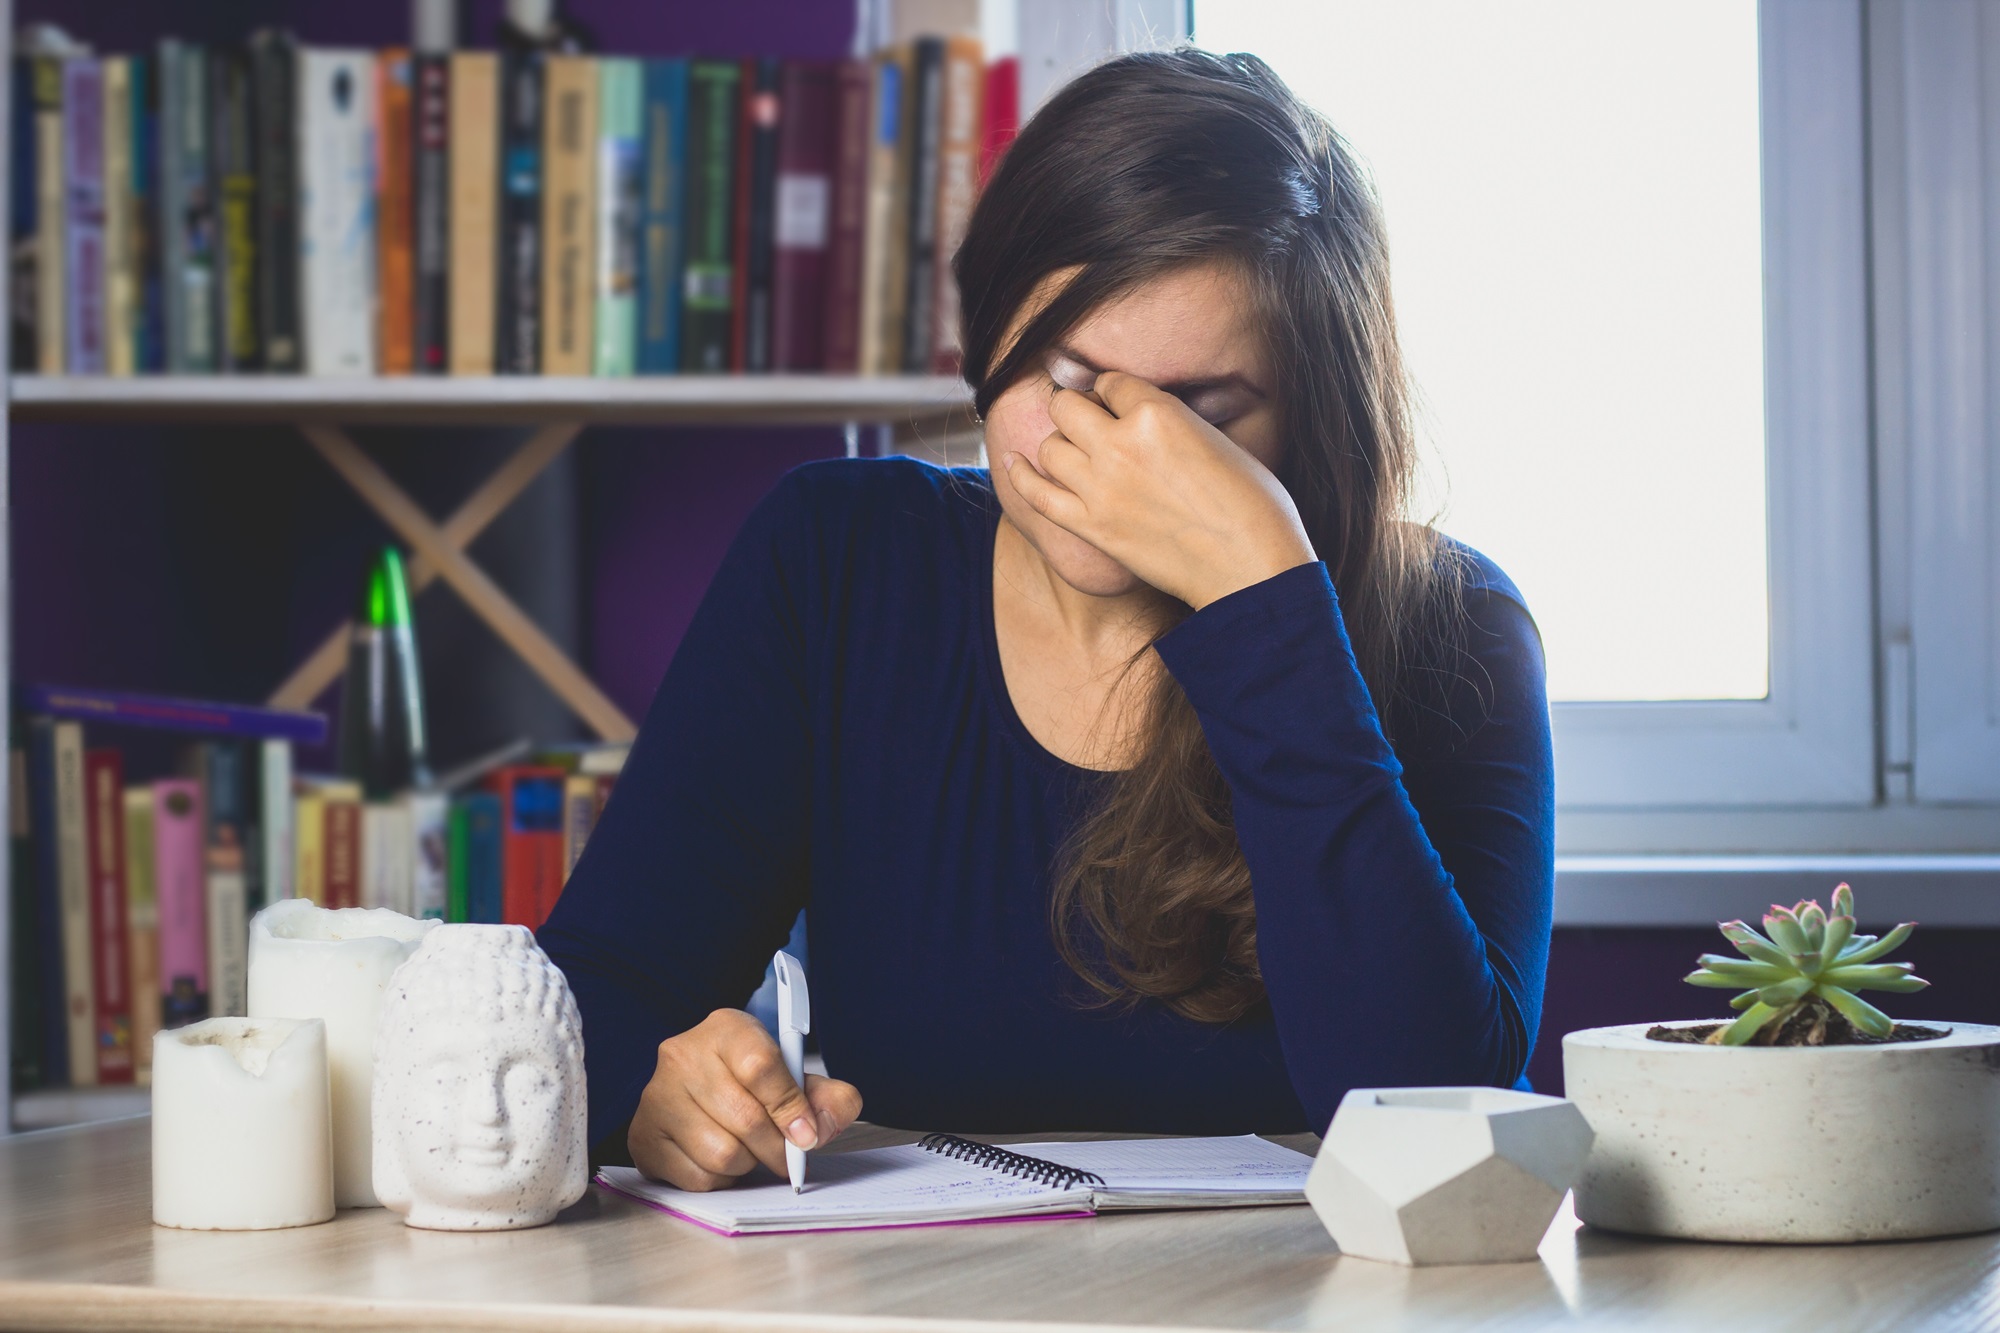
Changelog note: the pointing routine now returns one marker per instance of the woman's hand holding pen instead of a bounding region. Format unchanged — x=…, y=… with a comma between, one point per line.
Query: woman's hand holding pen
x=720, y=1102
x=1132, y=470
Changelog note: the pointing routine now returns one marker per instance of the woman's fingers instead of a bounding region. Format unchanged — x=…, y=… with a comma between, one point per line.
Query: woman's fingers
x=1079, y=415
x=837, y=1104
x=1055, y=503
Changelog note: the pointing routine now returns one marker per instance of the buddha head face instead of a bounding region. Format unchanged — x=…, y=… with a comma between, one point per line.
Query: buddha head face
x=479, y=1084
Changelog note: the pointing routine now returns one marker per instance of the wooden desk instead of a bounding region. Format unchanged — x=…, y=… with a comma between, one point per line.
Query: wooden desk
x=78, y=1250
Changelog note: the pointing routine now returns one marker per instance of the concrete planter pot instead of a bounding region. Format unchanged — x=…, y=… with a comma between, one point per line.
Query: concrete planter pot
x=1894, y=1141
x=1445, y=1175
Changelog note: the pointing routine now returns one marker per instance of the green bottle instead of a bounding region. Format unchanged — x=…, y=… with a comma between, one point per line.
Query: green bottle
x=382, y=741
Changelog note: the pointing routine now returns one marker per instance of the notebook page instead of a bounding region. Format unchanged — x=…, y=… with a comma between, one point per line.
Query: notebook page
x=1245, y=1165
x=873, y=1187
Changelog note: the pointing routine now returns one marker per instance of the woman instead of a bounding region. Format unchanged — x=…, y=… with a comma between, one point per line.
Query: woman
x=1162, y=779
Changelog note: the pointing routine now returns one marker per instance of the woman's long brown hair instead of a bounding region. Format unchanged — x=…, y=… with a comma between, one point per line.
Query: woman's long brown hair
x=1143, y=164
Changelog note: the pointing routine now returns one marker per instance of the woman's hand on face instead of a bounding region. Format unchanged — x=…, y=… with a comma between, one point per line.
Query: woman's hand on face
x=1133, y=471
x=721, y=1101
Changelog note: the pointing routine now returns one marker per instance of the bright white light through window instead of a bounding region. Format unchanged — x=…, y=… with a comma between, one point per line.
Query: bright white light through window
x=1572, y=197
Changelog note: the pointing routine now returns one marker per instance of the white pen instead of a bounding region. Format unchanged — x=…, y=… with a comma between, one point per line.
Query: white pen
x=794, y=1021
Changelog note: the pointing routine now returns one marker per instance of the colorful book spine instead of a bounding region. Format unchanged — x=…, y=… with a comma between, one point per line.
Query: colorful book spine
x=341, y=844
x=662, y=216
x=104, y=797
x=51, y=285
x=385, y=857
x=73, y=883
x=309, y=844
x=121, y=277
x=756, y=204
x=847, y=217
x=187, y=209
x=181, y=889
x=430, y=190
x=619, y=125
x=483, y=874
x=274, y=101
x=958, y=186
x=22, y=230
x=920, y=273
x=518, y=350
x=83, y=222
x=24, y=957
x=52, y=994
x=428, y=814
x=707, y=276
x=226, y=844
x=475, y=219
x=170, y=714
x=883, y=291
x=802, y=215
x=142, y=924
x=239, y=344
x=149, y=314
x=395, y=214
x=336, y=208
x=531, y=842
x=276, y=821
x=1001, y=119
x=569, y=204
x=579, y=818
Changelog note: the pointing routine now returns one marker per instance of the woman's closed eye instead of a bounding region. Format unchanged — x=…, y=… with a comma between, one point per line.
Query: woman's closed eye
x=1215, y=404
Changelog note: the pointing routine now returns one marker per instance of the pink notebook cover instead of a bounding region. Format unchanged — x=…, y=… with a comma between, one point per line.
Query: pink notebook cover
x=182, y=893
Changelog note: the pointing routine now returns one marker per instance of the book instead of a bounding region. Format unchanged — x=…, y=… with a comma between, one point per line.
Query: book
x=958, y=186
x=72, y=869
x=531, y=842
x=308, y=842
x=569, y=206
x=104, y=800
x=51, y=300
x=23, y=229
x=181, y=892
x=428, y=814
x=148, y=313
x=386, y=857
x=430, y=202
x=884, y=292
x=476, y=853
x=847, y=216
x=201, y=717
x=121, y=276
x=187, y=210
x=802, y=215
x=24, y=957
x=51, y=990
x=1000, y=120
x=142, y=927
x=340, y=842
x=620, y=98
x=518, y=294
x=336, y=209
x=475, y=192
x=580, y=810
x=239, y=342
x=662, y=215
x=944, y=1178
x=276, y=815
x=395, y=213
x=708, y=285
x=754, y=246
x=274, y=123
x=226, y=802
x=926, y=129
x=83, y=216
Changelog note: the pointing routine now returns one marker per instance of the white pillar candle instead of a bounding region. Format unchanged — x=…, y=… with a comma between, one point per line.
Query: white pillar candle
x=242, y=1137
x=334, y=964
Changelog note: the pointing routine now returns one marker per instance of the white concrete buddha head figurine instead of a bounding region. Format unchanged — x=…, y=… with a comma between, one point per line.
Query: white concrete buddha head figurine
x=479, y=1090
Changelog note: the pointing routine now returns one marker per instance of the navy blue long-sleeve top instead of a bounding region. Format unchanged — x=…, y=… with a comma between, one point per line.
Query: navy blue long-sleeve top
x=835, y=732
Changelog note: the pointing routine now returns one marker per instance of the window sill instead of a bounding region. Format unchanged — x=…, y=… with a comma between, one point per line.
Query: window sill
x=1956, y=890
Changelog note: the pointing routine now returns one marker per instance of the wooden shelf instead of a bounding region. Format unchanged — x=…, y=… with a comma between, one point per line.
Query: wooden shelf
x=681, y=400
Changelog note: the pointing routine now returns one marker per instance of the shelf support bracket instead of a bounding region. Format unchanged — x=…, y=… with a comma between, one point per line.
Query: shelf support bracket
x=442, y=552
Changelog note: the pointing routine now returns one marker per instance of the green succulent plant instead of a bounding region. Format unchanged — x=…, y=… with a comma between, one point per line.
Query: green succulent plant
x=1806, y=954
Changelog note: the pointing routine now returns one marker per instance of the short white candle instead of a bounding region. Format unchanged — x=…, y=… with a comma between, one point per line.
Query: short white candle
x=334, y=964
x=242, y=1136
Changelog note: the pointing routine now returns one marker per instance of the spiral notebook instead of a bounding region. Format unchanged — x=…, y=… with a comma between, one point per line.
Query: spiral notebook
x=946, y=1179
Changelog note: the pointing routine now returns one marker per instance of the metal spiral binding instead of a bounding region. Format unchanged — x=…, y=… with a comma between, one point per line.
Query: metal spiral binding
x=1010, y=1163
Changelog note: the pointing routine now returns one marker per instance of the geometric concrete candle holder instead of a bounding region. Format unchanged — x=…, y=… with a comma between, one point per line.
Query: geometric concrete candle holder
x=334, y=964
x=1446, y=1175
x=479, y=1095
x=242, y=1138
